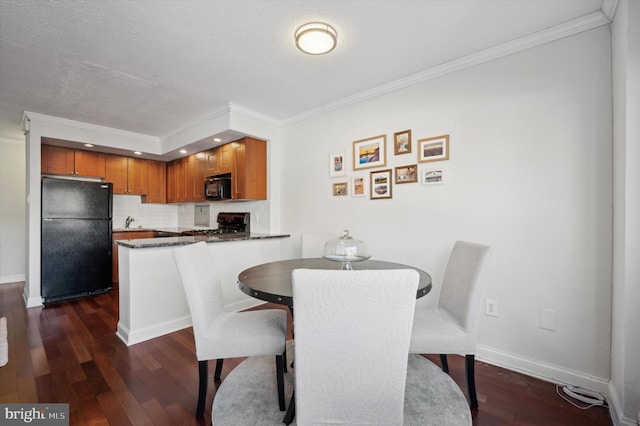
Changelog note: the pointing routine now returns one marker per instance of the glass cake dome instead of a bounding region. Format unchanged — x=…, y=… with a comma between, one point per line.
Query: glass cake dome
x=345, y=249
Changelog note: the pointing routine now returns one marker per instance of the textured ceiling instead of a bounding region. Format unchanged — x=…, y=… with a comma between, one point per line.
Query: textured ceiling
x=152, y=67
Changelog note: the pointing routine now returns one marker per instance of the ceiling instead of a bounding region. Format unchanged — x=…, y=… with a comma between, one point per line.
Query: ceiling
x=152, y=67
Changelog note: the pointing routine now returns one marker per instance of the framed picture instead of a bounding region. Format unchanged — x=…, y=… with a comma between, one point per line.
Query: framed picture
x=381, y=184
x=358, y=187
x=370, y=152
x=407, y=174
x=432, y=177
x=402, y=142
x=337, y=164
x=340, y=189
x=433, y=149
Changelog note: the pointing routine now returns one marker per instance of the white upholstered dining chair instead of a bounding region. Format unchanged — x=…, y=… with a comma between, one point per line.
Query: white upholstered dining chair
x=220, y=334
x=352, y=345
x=452, y=327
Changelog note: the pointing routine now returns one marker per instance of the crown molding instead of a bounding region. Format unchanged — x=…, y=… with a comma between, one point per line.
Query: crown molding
x=226, y=109
x=609, y=8
x=28, y=116
x=566, y=29
x=246, y=112
x=220, y=111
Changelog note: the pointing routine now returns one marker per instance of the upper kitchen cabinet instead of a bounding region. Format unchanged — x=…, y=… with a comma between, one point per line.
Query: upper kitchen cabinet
x=194, y=177
x=156, y=182
x=58, y=160
x=129, y=175
x=185, y=178
x=250, y=171
x=219, y=160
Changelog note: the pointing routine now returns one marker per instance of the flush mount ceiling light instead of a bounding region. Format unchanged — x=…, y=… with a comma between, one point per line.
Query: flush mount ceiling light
x=316, y=38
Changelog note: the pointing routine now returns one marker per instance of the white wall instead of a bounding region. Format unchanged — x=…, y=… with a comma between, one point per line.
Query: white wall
x=624, y=388
x=529, y=174
x=12, y=211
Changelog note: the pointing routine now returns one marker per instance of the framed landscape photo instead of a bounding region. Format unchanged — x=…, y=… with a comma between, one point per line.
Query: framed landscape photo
x=433, y=149
x=381, y=184
x=340, y=189
x=337, y=164
x=432, y=177
x=402, y=142
x=407, y=174
x=370, y=152
x=358, y=187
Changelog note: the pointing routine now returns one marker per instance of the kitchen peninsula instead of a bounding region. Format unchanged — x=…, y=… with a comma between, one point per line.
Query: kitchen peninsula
x=152, y=299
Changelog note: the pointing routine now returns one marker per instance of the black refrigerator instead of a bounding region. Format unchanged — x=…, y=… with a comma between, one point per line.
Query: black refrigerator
x=76, y=239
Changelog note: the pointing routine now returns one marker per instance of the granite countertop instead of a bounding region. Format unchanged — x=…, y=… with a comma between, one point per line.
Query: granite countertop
x=184, y=240
x=171, y=230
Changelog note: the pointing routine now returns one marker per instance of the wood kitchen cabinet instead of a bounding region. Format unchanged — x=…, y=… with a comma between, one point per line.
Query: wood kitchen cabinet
x=219, y=160
x=173, y=175
x=156, y=182
x=57, y=160
x=127, y=174
x=129, y=235
x=250, y=171
x=212, y=162
x=185, y=179
x=194, y=177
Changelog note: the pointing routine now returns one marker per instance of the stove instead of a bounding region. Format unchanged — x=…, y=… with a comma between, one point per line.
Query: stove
x=228, y=223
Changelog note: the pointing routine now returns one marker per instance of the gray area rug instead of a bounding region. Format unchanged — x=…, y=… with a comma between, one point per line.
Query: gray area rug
x=248, y=396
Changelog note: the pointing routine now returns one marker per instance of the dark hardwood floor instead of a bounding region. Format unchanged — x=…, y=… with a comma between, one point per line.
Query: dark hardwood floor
x=69, y=353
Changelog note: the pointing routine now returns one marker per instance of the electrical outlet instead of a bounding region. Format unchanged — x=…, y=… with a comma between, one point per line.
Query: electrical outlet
x=491, y=307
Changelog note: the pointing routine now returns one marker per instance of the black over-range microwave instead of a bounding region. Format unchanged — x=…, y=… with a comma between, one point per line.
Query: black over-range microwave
x=218, y=187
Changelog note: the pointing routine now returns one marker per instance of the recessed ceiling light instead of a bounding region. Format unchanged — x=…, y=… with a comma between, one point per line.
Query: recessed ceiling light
x=316, y=38
x=88, y=145
x=217, y=140
x=137, y=153
x=183, y=151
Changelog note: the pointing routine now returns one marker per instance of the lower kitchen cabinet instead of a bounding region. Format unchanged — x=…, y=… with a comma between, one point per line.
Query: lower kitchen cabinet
x=129, y=235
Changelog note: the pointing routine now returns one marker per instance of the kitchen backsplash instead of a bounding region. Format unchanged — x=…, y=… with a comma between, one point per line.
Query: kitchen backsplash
x=182, y=215
x=145, y=215
x=259, y=213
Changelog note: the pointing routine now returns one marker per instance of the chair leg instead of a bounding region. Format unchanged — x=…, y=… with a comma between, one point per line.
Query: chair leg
x=216, y=375
x=291, y=411
x=202, y=389
x=444, y=363
x=284, y=358
x=280, y=380
x=471, y=380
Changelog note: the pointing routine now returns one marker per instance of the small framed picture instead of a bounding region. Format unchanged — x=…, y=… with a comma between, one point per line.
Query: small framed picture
x=433, y=149
x=407, y=174
x=380, y=184
x=402, y=142
x=337, y=164
x=340, y=189
x=432, y=177
x=358, y=187
x=370, y=152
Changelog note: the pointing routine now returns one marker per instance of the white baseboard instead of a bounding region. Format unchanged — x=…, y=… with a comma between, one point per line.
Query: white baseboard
x=132, y=337
x=617, y=416
x=547, y=372
x=10, y=279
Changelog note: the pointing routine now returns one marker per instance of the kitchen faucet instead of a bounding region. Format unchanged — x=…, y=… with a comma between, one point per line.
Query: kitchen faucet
x=128, y=221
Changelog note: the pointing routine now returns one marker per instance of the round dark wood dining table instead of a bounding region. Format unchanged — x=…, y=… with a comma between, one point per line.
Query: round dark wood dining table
x=271, y=281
